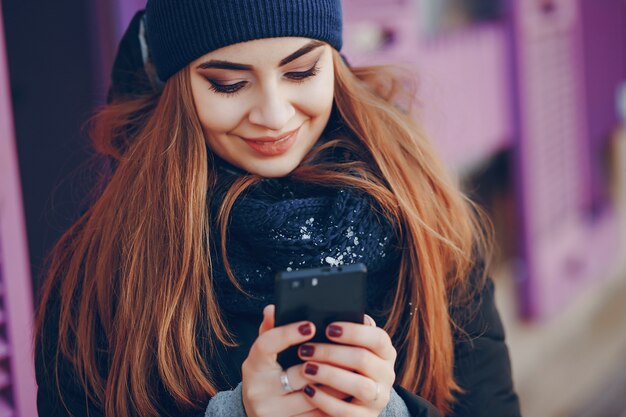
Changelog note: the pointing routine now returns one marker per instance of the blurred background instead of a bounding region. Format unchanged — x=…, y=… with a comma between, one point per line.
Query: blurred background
x=525, y=101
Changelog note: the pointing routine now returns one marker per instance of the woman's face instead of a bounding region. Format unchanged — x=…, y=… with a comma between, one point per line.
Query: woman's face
x=263, y=104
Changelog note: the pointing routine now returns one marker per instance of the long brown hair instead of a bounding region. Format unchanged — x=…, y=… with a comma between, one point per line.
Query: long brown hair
x=132, y=275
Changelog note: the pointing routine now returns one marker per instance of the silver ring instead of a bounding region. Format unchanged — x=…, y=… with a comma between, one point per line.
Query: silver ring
x=284, y=381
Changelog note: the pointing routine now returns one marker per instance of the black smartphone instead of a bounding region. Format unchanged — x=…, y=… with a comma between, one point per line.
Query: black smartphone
x=321, y=295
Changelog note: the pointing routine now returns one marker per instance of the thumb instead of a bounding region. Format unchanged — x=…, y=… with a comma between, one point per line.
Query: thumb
x=268, y=319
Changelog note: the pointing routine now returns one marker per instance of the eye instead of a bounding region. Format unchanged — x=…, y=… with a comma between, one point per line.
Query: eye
x=226, y=88
x=300, y=76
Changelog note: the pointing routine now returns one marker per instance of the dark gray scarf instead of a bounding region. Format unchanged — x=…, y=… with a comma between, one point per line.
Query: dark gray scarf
x=280, y=224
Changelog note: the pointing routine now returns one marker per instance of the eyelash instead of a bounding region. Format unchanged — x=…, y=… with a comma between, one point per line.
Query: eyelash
x=232, y=89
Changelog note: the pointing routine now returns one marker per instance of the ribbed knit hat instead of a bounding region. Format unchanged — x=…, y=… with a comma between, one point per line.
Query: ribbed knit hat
x=180, y=31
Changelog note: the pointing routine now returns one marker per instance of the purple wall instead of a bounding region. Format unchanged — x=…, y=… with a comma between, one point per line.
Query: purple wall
x=463, y=77
x=604, y=42
x=124, y=10
x=565, y=246
x=17, y=382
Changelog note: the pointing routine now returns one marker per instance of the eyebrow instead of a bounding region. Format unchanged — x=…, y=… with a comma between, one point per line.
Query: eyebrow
x=217, y=64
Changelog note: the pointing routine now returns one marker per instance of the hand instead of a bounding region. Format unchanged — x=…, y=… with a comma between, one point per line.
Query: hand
x=262, y=391
x=362, y=367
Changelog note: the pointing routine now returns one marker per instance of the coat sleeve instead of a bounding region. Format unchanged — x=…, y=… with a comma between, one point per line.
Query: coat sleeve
x=418, y=406
x=68, y=398
x=482, y=364
x=72, y=403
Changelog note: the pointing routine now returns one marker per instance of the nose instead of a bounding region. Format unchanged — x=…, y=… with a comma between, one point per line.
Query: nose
x=272, y=110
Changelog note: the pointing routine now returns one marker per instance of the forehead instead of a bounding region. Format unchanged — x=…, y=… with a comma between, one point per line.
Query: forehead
x=259, y=52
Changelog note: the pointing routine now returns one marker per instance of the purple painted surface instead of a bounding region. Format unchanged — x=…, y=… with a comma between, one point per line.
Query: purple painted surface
x=16, y=289
x=124, y=12
x=465, y=101
x=604, y=37
x=563, y=251
x=521, y=270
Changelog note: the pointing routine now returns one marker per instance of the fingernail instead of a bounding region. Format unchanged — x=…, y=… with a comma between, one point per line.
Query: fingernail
x=309, y=390
x=311, y=369
x=335, y=331
x=305, y=329
x=307, y=351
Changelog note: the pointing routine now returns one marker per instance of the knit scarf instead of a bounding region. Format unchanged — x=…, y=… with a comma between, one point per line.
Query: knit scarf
x=283, y=225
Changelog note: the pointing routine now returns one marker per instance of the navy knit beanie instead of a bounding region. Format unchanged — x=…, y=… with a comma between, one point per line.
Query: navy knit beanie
x=180, y=31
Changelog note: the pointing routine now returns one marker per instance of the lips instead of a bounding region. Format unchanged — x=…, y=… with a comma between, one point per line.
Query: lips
x=270, y=138
x=273, y=146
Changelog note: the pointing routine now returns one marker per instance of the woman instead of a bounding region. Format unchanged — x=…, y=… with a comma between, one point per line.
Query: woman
x=244, y=147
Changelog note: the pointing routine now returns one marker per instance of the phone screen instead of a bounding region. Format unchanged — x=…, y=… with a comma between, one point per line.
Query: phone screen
x=321, y=295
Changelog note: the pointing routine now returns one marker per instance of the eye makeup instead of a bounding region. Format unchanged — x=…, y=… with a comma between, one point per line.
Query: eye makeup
x=226, y=88
x=231, y=89
x=301, y=76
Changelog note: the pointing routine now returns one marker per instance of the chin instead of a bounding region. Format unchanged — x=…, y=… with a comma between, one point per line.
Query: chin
x=276, y=169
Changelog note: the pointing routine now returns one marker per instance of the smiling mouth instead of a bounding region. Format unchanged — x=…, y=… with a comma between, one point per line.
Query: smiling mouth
x=273, y=146
x=265, y=140
x=275, y=142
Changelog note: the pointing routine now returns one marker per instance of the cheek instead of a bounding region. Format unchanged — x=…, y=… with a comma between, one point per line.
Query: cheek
x=218, y=114
x=316, y=98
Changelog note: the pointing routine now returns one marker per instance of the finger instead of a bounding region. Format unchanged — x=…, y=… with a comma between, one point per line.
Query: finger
x=328, y=404
x=333, y=392
x=297, y=382
x=315, y=413
x=352, y=358
x=267, y=346
x=361, y=387
x=268, y=318
x=373, y=338
x=293, y=404
x=269, y=403
x=368, y=320
x=258, y=385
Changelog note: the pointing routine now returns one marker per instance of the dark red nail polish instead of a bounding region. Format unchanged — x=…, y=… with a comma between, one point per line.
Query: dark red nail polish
x=307, y=351
x=335, y=331
x=310, y=369
x=305, y=329
x=309, y=390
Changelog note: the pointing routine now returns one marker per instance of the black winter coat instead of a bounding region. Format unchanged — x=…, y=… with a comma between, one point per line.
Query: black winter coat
x=482, y=369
